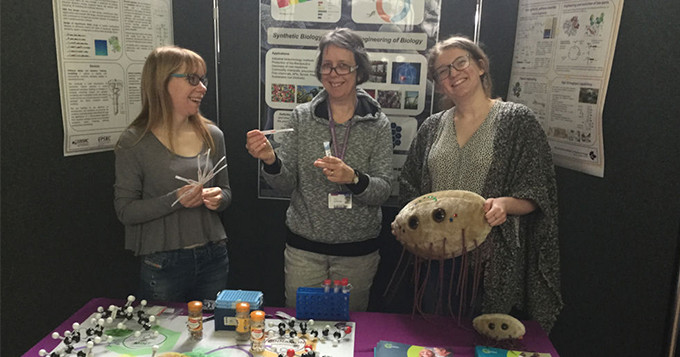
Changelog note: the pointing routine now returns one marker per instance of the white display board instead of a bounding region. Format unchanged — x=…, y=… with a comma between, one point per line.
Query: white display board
x=560, y=69
x=101, y=49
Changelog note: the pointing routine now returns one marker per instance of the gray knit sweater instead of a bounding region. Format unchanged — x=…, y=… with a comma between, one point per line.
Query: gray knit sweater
x=523, y=269
x=369, y=151
x=145, y=189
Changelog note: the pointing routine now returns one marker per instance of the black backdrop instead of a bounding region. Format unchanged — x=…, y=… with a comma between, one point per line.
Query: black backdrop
x=62, y=245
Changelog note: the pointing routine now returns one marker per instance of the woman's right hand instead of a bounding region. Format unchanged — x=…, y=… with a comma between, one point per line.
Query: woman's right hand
x=190, y=196
x=259, y=147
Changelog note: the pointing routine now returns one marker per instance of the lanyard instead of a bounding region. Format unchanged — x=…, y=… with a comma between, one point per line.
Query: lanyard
x=331, y=124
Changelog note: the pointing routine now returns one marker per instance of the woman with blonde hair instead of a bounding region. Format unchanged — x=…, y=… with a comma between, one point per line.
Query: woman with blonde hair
x=173, y=224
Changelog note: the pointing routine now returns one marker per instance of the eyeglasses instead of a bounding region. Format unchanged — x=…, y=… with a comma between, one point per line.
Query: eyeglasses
x=193, y=78
x=341, y=69
x=460, y=64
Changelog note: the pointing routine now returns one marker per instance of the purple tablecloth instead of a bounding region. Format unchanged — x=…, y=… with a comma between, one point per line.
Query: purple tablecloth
x=431, y=331
x=371, y=327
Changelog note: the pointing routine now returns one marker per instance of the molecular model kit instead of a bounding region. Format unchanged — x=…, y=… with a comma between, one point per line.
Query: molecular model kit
x=82, y=340
x=288, y=337
x=161, y=331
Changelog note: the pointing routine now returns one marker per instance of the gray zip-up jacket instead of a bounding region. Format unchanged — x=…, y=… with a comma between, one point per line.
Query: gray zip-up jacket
x=369, y=150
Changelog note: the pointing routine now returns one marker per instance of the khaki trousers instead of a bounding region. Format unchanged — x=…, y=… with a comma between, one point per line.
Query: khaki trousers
x=307, y=269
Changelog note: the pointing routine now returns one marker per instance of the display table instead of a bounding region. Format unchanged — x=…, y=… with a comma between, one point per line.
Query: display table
x=370, y=327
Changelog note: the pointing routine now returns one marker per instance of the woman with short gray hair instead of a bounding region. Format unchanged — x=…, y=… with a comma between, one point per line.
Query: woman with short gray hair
x=334, y=216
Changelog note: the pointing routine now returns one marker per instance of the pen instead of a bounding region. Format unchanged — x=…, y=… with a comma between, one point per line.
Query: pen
x=275, y=131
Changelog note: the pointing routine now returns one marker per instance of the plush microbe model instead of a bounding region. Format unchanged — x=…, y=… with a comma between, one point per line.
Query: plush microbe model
x=442, y=224
x=499, y=326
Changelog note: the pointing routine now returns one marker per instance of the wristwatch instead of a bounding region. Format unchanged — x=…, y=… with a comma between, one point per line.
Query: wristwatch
x=355, y=179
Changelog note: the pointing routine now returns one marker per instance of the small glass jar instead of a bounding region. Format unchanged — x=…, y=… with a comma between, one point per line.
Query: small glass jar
x=195, y=320
x=257, y=331
x=242, y=321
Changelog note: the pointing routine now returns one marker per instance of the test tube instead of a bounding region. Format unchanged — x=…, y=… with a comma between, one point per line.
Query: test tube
x=276, y=131
x=344, y=283
x=327, y=148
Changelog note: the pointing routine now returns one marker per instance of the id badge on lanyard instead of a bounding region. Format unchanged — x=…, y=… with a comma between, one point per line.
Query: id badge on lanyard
x=340, y=199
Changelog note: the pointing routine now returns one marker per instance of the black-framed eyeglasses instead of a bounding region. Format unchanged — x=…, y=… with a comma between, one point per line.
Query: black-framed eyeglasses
x=460, y=64
x=193, y=78
x=341, y=69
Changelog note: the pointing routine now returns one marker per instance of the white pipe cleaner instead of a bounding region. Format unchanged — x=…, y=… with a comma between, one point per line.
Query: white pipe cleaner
x=204, y=175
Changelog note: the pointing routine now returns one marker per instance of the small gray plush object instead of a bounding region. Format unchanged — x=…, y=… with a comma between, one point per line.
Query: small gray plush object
x=499, y=326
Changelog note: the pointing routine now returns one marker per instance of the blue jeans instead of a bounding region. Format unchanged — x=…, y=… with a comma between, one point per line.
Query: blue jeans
x=185, y=274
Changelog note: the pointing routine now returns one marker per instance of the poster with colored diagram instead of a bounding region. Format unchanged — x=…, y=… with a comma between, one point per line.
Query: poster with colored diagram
x=101, y=49
x=560, y=69
x=306, y=10
x=407, y=12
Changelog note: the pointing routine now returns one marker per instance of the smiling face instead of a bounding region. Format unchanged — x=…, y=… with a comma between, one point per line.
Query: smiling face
x=339, y=87
x=459, y=84
x=186, y=98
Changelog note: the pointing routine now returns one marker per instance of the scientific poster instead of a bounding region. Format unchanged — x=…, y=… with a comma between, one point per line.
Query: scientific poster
x=396, y=33
x=561, y=66
x=101, y=48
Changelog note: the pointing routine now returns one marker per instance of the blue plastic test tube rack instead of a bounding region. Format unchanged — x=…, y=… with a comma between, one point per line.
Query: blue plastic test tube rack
x=315, y=303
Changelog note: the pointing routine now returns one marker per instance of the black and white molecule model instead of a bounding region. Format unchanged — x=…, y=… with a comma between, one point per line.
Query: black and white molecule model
x=70, y=339
x=94, y=334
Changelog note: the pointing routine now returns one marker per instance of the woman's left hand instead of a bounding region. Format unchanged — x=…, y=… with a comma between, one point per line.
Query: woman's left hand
x=212, y=197
x=335, y=169
x=189, y=196
x=496, y=211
